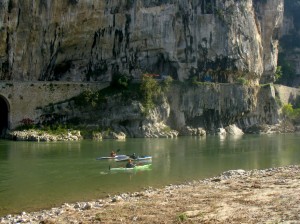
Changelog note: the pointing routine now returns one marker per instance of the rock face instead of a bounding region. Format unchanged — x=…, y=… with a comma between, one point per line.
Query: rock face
x=234, y=130
x=270, y=14
x=214, y=106
x=194, y=110
x=71, y=40
x=214, y=42
x=117, y=117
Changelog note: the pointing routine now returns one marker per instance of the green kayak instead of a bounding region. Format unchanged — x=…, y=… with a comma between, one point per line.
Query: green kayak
x=138, y=167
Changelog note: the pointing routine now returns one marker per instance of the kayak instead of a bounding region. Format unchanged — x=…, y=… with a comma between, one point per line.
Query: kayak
x=139, y=158
x=117, y=157
x=141, y=167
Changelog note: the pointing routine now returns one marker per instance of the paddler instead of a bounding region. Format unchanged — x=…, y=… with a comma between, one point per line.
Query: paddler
x=113, y=154
x=130, y=164
x=133, y=156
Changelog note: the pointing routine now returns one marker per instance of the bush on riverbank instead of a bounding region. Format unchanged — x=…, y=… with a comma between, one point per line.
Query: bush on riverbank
x=291, y=113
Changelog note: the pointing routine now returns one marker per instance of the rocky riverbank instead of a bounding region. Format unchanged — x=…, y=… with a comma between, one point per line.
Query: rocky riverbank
x=236, y=196
x=75, y=135
x=43, y=136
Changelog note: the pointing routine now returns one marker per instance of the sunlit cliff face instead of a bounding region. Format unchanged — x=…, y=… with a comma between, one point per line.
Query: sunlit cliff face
x=93, y=40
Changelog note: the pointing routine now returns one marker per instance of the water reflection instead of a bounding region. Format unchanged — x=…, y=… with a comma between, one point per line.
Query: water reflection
x=4, y=151
x=36, y=175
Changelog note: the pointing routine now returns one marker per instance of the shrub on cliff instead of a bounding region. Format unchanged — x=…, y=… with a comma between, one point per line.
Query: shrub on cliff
x=290, y=113
x=88, y=97
x=242, y=81
x=121, y=80
x=151, y=89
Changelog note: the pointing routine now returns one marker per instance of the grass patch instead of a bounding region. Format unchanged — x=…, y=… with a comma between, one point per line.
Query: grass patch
x=182, y=217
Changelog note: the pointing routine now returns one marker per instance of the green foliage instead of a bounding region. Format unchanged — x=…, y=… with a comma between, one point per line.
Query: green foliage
x=88, y=97
x=242, y=81
x=121, y=80
x=97, y=98
x=194, y=80
x=287, y=110
x=166, y=83
x=150, y=89
x=107, y=131
x=265, y=85
x=278, y=73
x=55, y=129
x=182, y=217
x=88, y=133
x=167, y=129
x=148, y=92
x=292, y=114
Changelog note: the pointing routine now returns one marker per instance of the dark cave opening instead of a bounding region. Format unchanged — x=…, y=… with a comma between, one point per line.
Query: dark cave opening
x=3, y=116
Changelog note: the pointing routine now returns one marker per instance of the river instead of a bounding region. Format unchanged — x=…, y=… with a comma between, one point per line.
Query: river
x=38, y=175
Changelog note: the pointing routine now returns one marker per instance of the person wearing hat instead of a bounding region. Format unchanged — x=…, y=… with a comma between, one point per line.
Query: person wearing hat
x=129, y=164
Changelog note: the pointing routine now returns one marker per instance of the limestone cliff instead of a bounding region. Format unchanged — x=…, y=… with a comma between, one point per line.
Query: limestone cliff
x=194, y=109
x=91, y=40
x=219, y=44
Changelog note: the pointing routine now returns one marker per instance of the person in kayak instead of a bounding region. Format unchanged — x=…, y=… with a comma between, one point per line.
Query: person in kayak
x=133, y=156
x=130, y=164
x=113, y=154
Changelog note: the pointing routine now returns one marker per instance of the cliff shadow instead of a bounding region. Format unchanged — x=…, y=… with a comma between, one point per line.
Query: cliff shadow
x=4, y=109
x=294, y=100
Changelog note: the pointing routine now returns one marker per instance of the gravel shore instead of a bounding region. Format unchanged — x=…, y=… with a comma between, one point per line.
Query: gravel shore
x=236, y=196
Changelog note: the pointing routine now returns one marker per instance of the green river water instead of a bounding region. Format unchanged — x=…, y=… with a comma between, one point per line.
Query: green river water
x=38, y=175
